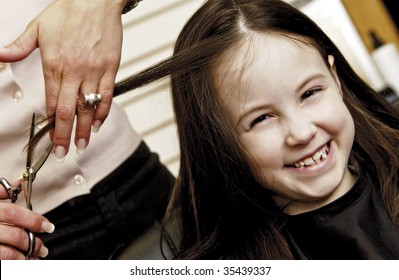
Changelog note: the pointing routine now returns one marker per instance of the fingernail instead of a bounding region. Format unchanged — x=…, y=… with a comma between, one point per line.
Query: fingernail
x=96, y=126
x=4, y=50
x=48, y=227
x=43, y=252
x=59, y=154
x=81, y=146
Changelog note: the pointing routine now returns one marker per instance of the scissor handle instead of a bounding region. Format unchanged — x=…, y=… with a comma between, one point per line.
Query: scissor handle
x=13, y=192
x=32, y=244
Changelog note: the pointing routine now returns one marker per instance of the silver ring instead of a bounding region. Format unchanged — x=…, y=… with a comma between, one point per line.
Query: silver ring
x=92, y=99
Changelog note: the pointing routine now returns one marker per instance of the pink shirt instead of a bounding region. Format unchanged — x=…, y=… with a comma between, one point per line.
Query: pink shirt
x=21, y=94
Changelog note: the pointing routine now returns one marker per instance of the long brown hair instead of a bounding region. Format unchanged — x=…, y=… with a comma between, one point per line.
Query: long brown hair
x=223, y=212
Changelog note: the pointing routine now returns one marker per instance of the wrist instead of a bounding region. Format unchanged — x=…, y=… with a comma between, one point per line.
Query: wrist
x=130, y=5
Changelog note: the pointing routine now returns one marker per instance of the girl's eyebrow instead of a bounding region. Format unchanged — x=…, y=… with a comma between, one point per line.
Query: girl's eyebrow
x=308, y=79
x=250, y=111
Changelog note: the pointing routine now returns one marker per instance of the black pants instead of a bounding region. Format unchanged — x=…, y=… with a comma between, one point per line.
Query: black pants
x=119, y=208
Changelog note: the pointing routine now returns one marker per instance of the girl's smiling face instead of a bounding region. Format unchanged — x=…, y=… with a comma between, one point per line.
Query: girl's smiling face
x=287, y=108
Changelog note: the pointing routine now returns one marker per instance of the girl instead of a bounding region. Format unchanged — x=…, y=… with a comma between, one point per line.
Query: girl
x=285, y=151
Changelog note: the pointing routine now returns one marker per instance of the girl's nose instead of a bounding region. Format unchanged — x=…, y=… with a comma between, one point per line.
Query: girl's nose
x=300, y=131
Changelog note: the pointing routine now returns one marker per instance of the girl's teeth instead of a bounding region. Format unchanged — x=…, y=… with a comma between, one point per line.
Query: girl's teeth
x=317, y=155
x=316, y=158
x=309, y=161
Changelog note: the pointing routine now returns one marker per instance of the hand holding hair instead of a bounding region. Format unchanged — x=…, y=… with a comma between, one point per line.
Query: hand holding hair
x=80, y=44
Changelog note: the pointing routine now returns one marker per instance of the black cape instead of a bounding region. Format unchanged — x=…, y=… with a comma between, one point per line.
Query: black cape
x=355, y=226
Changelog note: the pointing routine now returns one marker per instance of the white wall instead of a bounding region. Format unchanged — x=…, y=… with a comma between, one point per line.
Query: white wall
x=337, y=24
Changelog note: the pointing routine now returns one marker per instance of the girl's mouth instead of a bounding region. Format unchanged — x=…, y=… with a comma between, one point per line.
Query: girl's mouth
x=317, y=157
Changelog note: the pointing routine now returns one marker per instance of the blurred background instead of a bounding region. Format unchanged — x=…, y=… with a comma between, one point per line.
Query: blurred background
x=152, y=27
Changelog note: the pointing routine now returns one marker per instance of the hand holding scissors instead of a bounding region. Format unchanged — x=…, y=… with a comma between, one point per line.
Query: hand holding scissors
x=27, y=179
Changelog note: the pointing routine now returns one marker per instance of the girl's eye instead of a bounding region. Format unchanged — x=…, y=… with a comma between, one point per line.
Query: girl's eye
x=258, y=120
x=309, y=93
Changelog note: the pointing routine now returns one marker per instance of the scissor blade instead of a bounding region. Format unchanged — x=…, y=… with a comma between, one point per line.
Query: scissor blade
x=30, y=148
x=43, y=157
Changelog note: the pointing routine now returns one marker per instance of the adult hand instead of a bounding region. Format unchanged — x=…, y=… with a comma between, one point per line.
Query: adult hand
x=14, y=240
x=80, y=44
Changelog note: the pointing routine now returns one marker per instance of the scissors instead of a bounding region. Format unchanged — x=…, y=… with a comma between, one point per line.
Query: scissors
x=28, y=177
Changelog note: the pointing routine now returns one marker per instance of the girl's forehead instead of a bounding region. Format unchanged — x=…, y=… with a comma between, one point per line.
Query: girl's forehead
x=250, y=47
x=268, y=53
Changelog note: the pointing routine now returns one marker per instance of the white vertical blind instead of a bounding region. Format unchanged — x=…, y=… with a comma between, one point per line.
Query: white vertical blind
x=150, y=31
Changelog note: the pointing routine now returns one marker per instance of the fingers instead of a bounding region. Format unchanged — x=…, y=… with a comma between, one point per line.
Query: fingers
x=91, y=117
x=14, y=243
x=70, y=101
x=63, y=104
x=14, y=223
x=21, y=47
x=24, y=218
x=85, y=113
x=106, y=89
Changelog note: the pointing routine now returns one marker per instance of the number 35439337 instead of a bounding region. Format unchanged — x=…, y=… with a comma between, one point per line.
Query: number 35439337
x=246, y=270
